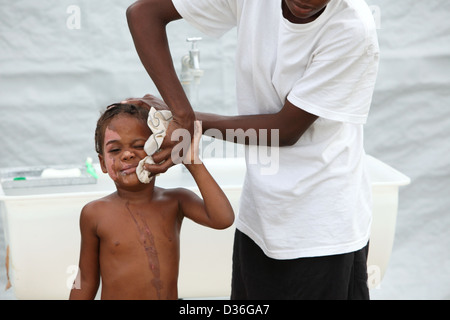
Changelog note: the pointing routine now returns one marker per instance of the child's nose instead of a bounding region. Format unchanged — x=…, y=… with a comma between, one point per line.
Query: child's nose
x=127, y=155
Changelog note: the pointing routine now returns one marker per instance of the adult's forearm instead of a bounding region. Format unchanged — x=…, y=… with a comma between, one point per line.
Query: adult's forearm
x=147, y=20
x=249, y=130
x=283, y=128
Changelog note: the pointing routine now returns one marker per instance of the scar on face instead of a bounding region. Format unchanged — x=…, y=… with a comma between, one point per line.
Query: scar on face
x=110, y=136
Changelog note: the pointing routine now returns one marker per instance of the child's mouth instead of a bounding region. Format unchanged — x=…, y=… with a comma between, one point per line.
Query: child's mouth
x=128, y=170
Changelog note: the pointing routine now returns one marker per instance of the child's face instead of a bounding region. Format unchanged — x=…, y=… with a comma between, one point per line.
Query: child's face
x=123, y=149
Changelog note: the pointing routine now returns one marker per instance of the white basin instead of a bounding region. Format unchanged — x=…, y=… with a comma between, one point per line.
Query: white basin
x=42, y=231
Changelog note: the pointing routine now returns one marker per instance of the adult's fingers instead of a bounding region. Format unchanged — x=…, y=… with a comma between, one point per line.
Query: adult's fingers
x=162, y=155
x=148, y=101
x=159, y=168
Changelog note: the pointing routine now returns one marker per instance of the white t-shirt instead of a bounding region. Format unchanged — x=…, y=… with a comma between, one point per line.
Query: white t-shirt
x=312, y=198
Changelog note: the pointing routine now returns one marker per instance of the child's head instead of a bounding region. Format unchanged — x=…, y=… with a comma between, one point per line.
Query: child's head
x=113, y=111
x=120, y=137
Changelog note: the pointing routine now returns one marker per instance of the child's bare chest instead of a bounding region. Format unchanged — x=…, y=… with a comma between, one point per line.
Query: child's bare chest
x=147, y=229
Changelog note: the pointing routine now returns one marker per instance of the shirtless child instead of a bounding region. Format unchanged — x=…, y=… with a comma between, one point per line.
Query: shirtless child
x=131, y=238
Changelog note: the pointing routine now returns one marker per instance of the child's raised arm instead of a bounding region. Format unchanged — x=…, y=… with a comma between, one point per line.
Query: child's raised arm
x=214, y=210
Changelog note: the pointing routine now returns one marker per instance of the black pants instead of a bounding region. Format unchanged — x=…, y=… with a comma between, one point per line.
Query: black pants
x=258, y=277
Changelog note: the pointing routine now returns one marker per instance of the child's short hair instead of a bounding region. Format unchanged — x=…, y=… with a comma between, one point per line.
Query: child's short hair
x=140, y=113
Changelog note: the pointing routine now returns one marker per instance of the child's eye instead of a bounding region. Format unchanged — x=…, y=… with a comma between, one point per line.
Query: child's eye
x=114, y=150
x=139, y=147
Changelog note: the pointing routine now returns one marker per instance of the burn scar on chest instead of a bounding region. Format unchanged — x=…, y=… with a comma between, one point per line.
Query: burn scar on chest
x=148, y=242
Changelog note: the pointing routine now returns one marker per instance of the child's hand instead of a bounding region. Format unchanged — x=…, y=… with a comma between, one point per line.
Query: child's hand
x=192, y=155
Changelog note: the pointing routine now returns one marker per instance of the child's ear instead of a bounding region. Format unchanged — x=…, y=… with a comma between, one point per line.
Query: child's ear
x=102, y=163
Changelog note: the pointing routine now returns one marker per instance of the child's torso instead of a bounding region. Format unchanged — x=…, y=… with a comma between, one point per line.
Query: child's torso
x=139, y=249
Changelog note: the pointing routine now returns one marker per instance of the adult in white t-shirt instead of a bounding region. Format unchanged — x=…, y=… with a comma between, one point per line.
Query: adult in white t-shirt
x=306, y=71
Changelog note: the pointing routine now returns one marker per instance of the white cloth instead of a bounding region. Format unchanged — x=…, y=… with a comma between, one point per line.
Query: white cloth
x=158, y=122
x=318, y=202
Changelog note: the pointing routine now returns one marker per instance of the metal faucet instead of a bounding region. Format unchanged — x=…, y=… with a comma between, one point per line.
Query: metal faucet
x=194, y=53
x=190, y=66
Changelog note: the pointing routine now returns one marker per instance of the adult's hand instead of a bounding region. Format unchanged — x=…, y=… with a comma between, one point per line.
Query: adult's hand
x=148, y=101
x=176, y=142
x=174, y=147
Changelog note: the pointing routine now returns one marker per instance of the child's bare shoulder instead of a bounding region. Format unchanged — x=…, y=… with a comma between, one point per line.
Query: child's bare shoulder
x=99, y=205
x=177, y=193
x=180, y=195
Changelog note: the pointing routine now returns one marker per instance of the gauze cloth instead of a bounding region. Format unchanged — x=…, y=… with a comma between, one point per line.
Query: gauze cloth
x=158, y=121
